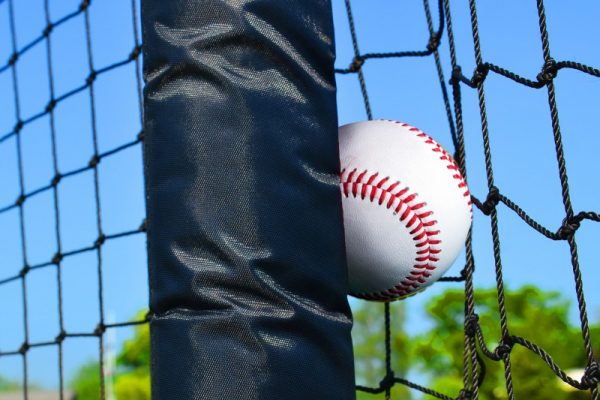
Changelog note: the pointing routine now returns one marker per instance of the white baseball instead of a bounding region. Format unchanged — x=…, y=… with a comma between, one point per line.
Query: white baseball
x=407, y=209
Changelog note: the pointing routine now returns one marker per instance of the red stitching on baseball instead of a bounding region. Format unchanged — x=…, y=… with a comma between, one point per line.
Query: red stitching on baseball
x=418, y=223
x=437, y=148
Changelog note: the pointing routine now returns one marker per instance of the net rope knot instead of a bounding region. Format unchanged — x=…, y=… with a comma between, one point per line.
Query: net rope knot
x=13, y=59
x=100, y=241
x=47, y=30
x=100, y=329
x=479, y=75
x=24, y=348
x=135, y=53
x=456, y=75
x=51, y=105
x=56, y=180
x=24, y=271
x=57, y=258
x=569, y=227
x=20, y=200
x=491, y=201
x=18, y=126
x=591, y=376
x=61, y=337
x=465, y=394
x=503, y=349
x=94, y=161
x=471, y=325
x=549, y=71
x=356, y=64
x=91, y=78
x=388, y=381
x=84, y=5
x=434, y=43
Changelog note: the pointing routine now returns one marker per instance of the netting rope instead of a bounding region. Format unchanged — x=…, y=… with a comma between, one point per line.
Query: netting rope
x=474, y=369
x=475, y=345
x=59, y=177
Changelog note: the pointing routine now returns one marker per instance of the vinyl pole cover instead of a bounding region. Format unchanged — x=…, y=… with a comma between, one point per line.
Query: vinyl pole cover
x=245, y=236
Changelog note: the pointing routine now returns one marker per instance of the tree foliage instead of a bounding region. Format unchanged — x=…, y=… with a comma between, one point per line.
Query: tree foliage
x=541, y=317
x=434, y=357
x=132, y=378
x=368, y=336
x=7, y=385
x=86, y=383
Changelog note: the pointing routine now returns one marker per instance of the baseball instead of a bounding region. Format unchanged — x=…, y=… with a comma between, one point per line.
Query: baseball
x=407, y=209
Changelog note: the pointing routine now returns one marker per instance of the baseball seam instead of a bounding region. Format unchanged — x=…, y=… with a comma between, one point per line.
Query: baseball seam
x=415, y=216
x=444, y=156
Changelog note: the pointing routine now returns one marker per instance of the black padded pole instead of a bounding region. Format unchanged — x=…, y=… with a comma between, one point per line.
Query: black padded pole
x=245, y=234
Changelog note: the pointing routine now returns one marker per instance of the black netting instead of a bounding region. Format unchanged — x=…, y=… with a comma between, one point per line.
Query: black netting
x=475, y=345
x=11, y=143
x=440, y=31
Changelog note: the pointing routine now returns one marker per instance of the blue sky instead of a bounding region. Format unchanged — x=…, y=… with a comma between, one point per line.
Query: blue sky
x=121, y=185
x=524, y=161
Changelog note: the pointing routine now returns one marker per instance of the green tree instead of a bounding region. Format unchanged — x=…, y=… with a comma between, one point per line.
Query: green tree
x=368, y=336
x=86, y=382
x=8, y=385
x=541, y=317
x=133, y=365
x=436, y=355
x=133, y=385
x=132, y=377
